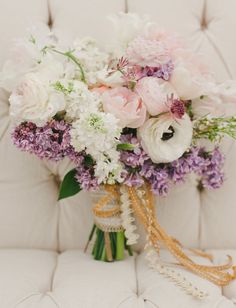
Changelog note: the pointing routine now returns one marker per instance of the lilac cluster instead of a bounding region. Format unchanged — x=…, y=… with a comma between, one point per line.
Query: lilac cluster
x=163, y=71
x=207, y=165
x=212, y=175
x=52, y=141
x=85, y=176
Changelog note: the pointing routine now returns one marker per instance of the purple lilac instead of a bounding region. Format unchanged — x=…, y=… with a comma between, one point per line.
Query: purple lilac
x=157, y=176
x=51, y=141
x=135, y=158
x=207, y=165
x=212, y=174
x=163, y=71
x=136, y=72
x=85, y=176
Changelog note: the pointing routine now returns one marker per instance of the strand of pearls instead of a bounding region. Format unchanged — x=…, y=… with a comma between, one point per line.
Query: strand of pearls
x=176, y=277
x=127, y=217
x=152, y=256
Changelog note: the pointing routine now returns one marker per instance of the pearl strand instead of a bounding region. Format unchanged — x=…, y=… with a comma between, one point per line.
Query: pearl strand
x=127, y=217
x=174, y=276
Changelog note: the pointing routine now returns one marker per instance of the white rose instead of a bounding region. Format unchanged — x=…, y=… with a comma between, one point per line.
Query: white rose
x=34, y=99
x=164, y=139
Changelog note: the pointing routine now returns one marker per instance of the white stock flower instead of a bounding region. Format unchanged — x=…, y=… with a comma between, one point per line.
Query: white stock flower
x=98, y=134
x=108, y=171
x=165, y=139
x=34, y=99
x=78, y=97
x=91, y=58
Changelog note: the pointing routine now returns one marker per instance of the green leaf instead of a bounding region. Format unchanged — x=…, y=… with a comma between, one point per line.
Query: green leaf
x=88, y=160
x=126, y=146
x=69, y=186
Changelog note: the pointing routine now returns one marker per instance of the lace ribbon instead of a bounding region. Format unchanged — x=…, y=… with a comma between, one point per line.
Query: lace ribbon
x=218, y=274
x=142, y=204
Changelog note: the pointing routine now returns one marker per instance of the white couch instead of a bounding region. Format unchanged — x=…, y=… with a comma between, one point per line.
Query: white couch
x=42, y=264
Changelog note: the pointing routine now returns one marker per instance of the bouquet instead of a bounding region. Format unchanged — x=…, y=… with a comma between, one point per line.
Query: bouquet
x=130, y=117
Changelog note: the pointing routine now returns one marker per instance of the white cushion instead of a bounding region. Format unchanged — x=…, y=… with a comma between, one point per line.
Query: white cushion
x=43, y=279
x=26, y=277
x=220, y=258
x=159, y=291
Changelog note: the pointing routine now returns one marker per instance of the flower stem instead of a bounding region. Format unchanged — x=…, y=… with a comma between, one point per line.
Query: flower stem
x=90, y=237
x=73, y=58
x=120, y=245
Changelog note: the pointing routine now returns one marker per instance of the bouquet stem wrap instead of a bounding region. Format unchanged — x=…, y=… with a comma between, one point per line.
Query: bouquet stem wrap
x=110, y=243
x=142, y=203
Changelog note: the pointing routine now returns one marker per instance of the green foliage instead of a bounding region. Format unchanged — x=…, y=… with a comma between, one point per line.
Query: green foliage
x=125, y=146
x=214, y=129
x=58, y=86
x=69, y=186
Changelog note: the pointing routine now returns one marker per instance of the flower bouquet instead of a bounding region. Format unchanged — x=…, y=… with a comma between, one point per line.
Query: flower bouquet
x=130, y=118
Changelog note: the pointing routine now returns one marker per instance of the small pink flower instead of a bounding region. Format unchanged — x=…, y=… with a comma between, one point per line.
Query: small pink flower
x=125, y=105
x=154, y=92
x=177, y=108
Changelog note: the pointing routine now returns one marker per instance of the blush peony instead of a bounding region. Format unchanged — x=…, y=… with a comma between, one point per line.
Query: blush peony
x=154, y=93
x=125, y=105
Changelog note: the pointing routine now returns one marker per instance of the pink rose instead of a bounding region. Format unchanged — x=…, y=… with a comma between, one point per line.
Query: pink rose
x=125, y=105
x=154, y=92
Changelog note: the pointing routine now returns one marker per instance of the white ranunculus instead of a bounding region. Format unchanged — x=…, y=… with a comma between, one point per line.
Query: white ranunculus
x=34, y=99
x=162, y=151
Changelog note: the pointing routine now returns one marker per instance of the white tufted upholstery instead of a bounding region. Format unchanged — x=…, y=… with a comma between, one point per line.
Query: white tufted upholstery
x=35, y=228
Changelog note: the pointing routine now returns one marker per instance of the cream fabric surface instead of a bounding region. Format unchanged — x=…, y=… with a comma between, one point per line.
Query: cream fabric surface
x=33, y=221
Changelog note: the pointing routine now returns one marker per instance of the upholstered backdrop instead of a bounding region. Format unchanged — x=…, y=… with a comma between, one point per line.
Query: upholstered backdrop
x=42, y=264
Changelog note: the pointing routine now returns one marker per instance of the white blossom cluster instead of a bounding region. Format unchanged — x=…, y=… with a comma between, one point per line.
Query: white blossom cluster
x=45, y=79
x=98, y=133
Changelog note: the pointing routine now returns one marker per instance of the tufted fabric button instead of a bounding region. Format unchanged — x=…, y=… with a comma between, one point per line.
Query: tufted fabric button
x=204, y=24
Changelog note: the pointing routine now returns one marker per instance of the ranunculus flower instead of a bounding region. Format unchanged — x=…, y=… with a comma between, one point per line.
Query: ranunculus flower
x=154, y=93
x=125, y=105
x=165, y=139
x=35, y=100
